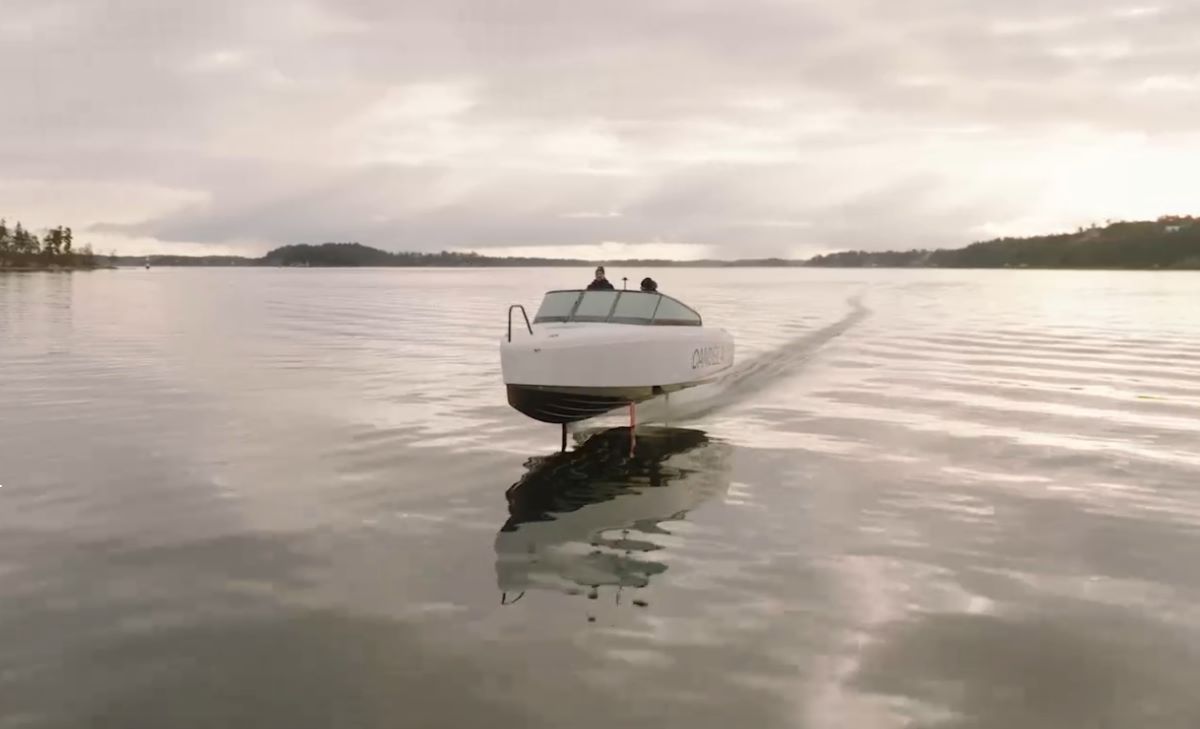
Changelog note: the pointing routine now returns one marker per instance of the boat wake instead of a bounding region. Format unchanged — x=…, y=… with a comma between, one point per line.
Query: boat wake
x=746, y=379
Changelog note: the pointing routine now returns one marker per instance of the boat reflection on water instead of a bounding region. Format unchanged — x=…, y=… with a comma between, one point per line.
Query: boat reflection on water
x=590, y=518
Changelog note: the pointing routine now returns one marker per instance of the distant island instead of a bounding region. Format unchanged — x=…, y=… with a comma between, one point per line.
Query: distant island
x=21, y=250
x=1170, y=242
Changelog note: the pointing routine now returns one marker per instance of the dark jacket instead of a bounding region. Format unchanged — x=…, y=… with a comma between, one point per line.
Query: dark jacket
x=600, y=284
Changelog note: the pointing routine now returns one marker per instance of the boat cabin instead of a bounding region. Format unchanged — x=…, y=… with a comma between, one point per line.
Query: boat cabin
x=615, y=307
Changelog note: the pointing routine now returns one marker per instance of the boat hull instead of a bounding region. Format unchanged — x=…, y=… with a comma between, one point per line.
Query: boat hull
x=567, y=373
x=559, y=406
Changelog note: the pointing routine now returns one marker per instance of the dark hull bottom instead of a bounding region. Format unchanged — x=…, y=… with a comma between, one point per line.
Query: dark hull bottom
x=557, y=406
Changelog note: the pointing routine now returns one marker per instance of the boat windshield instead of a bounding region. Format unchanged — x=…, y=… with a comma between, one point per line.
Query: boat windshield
x=615, y=307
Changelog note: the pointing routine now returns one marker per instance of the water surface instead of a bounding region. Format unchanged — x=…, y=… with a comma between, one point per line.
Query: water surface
x=297, y=498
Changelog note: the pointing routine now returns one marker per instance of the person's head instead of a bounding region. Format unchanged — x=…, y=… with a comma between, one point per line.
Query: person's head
x=649, y=285
x=599, y=273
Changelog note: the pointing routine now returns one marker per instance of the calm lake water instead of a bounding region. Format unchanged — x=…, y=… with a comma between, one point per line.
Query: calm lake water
x=298, y=498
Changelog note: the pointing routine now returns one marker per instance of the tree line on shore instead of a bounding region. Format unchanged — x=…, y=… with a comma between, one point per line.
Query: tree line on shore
x=19, y=248
x=1170, y=242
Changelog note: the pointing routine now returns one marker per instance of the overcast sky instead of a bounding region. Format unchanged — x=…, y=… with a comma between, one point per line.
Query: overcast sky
x=728, y=128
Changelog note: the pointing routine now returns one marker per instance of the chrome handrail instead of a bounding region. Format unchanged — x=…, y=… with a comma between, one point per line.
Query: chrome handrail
x=527, y=324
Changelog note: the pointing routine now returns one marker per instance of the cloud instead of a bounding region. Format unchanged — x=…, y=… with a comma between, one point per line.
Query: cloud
x=736, y=128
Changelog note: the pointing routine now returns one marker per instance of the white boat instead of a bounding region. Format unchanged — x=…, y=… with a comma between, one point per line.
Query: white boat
x=589, y=352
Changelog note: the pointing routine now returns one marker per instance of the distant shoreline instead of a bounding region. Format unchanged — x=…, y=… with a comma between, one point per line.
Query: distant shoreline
x=55, y=268
x=1171, y=242
x=1168, y=243
x=652, y=265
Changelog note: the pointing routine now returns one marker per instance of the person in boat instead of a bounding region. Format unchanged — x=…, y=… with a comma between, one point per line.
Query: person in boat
x=600, y=283
x=649, y=286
